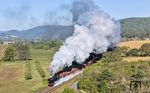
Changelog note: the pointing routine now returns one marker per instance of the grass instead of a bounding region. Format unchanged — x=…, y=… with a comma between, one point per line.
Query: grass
x=12, y=73
x=134, y=44
x=134, y=59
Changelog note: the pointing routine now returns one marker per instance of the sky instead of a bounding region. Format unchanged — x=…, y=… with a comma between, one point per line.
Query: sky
x=25, y=14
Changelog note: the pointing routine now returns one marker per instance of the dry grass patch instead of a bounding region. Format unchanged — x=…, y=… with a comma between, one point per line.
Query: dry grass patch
x=135, y=59
x=10, y=72
x=134, y=44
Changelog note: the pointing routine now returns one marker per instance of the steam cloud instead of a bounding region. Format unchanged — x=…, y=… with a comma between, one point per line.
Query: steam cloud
x=94, y=31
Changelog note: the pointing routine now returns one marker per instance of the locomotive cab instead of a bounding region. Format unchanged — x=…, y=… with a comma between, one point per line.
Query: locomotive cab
x=52, y=80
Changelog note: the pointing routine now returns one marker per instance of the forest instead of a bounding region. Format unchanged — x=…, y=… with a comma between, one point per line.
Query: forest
x=135, y=28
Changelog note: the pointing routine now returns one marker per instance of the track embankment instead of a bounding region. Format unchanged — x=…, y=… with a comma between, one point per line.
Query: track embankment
x=57, y=89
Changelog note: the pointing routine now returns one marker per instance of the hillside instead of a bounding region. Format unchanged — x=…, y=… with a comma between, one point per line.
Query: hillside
x=136, y=27
x=131, y=28
x=40, y=32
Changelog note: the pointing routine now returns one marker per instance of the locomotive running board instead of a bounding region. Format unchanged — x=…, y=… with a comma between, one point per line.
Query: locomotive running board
x=62, y=80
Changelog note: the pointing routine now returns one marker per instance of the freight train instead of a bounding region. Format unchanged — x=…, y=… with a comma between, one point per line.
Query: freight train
x=74, y=68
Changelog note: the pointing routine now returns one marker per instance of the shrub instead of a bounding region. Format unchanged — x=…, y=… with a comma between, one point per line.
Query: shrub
x=87, y=85
x=114, y=56
x=139, y=74
x=40, y=69
x=133, y=52
x=105, y=75
x=28, y=73
x=103, y=86
x=68, y=90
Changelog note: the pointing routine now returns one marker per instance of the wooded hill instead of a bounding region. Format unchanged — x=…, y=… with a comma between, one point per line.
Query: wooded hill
x=136, y=27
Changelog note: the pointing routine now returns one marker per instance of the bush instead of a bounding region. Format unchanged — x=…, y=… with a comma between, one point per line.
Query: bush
x=40, y=69
x=68, y=90
x=139, y=74
x=114, y=56
x=28, y=73
x=87, y=85
x=133, y=52
x=103, y=86
x=105, y=75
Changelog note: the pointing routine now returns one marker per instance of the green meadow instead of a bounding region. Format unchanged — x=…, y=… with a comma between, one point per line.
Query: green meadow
x=12, y=73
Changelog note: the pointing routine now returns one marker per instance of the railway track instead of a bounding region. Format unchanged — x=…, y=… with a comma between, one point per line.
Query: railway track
x=56, y=89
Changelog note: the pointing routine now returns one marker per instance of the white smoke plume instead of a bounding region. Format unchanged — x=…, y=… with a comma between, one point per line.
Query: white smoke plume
x=94, y=31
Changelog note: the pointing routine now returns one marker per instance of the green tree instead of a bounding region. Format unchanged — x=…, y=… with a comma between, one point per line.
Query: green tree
x=146, y=49
x=9, y=54
x=55, y=43
x=23, y=51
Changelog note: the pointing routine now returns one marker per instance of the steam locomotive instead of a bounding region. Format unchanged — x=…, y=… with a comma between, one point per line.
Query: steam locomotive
x=74, y=68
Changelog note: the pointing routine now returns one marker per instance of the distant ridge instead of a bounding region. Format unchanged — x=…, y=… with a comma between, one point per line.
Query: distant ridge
x=40, y=32
x=131, y=27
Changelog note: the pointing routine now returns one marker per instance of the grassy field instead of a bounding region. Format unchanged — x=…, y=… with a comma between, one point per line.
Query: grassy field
x=134, y=44
x=12, y=73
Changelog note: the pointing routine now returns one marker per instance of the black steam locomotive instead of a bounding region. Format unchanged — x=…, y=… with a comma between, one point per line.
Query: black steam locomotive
x=73, y=68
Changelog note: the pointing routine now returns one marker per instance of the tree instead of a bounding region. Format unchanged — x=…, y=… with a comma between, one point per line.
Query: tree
x=146, y=49
x=9, y=54
x=23, y=51
x=55, y=43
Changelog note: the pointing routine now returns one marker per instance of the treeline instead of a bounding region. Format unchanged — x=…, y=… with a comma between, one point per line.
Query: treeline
x=135, y=28
x=17, y=51
x=46, y=44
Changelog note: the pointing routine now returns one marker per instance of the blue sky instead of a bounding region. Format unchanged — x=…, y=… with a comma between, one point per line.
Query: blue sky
x=24, y=14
